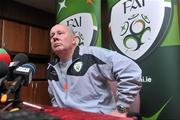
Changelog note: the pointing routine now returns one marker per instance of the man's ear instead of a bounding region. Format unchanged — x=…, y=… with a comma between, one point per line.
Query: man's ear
x=75, y=40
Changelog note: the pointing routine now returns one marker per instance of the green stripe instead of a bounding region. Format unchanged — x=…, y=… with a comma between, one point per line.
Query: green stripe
x=94, y=19
x=95, y=23
x=99, y=40
x=172, y=38
x=111, y=3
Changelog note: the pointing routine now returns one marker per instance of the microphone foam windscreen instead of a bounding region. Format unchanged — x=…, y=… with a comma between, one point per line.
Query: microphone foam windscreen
x=3, y=69
x=4, y=56
x=22, y=58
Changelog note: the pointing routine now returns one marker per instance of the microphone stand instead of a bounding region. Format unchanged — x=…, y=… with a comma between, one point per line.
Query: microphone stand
x=6, y=107
x=16, y=103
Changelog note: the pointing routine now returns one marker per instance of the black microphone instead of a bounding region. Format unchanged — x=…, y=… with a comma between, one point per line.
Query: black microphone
x=27, y=70
x=18, y=60
x=24, y=77
x=3, y=74
x=3, y=69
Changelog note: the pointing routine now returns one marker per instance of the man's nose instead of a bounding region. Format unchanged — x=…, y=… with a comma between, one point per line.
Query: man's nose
x=55, y=37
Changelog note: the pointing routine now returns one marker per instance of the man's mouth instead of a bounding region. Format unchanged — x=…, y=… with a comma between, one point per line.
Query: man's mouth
x=57, y=45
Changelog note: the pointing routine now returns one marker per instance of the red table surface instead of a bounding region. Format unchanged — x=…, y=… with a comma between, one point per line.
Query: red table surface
x=73, y=114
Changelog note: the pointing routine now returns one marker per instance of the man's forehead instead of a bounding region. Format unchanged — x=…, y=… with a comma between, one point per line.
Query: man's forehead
x=59, y=28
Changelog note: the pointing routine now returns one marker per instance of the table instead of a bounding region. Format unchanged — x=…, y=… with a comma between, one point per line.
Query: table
x=73, y=114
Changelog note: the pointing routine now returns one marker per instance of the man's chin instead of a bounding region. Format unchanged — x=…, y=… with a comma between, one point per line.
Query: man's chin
x=59, y=49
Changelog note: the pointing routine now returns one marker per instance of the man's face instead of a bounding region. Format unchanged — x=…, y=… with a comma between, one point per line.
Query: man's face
x=61, y=38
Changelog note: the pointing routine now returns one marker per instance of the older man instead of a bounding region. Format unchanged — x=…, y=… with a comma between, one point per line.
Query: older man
x=78, y=76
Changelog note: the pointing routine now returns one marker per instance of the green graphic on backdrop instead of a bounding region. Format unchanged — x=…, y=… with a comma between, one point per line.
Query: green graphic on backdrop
x=147, y=32
x=84, y=17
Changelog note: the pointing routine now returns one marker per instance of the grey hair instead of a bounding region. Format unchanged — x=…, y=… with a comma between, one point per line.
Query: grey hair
x=71, y=30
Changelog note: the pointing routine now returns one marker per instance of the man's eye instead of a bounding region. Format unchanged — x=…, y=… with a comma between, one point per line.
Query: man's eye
x=59, y=33
x=51, y=35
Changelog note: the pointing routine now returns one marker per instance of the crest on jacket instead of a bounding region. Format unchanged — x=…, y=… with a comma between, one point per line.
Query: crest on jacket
x=78, y=66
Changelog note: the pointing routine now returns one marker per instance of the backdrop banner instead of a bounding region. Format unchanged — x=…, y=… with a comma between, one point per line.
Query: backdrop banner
x=147, y=32
x=84, y=17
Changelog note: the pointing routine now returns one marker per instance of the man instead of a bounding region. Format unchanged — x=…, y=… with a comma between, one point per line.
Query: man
x=78, y=76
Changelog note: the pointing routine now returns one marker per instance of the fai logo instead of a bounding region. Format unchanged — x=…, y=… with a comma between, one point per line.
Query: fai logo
x=77, y=66
x=138, y=26
x=84, y=26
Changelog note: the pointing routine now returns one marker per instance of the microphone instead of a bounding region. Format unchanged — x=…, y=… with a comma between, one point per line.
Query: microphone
x=3, y=69
x=24, y=77
x=3, y=74
x=4, y=56
x=18, y=60
x=27, y=70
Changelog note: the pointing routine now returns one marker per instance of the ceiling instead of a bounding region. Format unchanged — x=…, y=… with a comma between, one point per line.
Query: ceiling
x=45, y=5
